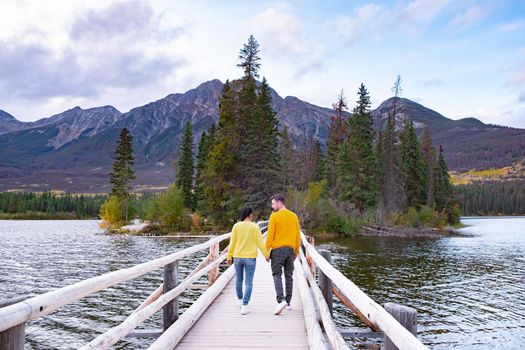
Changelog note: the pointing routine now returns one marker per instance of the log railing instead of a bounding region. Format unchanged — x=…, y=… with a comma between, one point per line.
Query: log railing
x=373, y=314
x=14, y=316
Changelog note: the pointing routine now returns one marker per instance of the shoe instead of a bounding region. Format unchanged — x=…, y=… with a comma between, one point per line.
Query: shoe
x=280, y=307
x=288, y=307
x=244, y=309
x=240, y=302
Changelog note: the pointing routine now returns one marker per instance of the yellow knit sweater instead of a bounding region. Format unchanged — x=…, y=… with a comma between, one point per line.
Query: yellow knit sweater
x=283, y=230
x=246, y=238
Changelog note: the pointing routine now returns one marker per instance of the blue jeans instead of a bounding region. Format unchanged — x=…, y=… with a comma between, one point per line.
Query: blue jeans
x=244, y=265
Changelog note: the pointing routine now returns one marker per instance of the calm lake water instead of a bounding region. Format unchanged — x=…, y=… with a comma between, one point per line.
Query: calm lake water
x=469, y=291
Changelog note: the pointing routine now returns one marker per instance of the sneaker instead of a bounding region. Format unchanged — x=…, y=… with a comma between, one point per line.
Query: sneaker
x=244, y=309
x=240, y=302
x=288, y=307
x=280, y=307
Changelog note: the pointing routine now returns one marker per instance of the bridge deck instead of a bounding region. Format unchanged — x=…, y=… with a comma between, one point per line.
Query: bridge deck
x=223, y=327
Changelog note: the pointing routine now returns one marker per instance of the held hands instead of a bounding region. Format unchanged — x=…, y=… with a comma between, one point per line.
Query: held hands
x=229, y=261
x=268, y=258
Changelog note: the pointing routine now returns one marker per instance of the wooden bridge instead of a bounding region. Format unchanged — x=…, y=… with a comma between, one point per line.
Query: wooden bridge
x=214, y=319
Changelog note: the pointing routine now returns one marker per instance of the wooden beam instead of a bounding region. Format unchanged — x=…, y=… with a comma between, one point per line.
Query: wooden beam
x=172, y=336
x=332, y=333
x=374, y=312
x=316, y=338
x=113, y=335
x=44, y=304
x=356, y=311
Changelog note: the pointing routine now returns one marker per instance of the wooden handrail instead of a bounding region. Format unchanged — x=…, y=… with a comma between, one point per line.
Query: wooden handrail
x=112, y=336
x=374, y=312
x=44, y=304
x=332, y=333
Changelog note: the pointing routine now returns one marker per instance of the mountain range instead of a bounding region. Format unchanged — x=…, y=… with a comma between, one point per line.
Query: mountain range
x=72, y=151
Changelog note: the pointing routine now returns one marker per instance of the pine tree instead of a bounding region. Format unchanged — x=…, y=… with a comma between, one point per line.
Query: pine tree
x=185, y=168
x=249, y=56
x=221, y=170
x=392, y=191
x=429, y=155
x=122, y=175
x=337, y=133
x=263, y=172
x=287, y=159
x=414, y=168
x=358, y=162
x=202, y=156
x=442, y=184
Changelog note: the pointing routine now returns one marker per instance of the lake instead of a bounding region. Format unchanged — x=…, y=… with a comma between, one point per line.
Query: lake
x=469, y=290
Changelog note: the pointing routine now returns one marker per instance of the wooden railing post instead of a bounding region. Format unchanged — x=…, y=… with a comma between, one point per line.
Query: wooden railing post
x=405, y=315
x=325, y=283
x=213, y=274
x=171, y=280
x=12, y=338
x=309, y=260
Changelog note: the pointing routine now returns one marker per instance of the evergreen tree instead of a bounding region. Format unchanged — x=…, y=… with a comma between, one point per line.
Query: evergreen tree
x=442, y=184
x=287, y=159
x=337, y=133
x=392, y=191
x=185, y=168
x=429, y=155
x=358, y=162
x=249, y=56
x=262, y=172
x=220, y=175
x=202, y=156
x=414, y=168
x=122, y=175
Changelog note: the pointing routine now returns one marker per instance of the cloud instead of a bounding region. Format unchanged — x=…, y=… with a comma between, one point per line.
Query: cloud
x=521, y=97
x=518, y=78
x=419, y=11
x=365, y=20
x=283, y=32
x=430, y=82
x=469, y=17
x=511, y=26
x=113, y=47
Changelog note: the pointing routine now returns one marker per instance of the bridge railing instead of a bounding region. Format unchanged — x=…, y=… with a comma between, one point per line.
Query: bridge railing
x=371, y=313
x=13, y=317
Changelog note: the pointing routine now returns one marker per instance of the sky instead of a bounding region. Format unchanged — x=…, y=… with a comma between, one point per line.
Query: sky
x=460, y=58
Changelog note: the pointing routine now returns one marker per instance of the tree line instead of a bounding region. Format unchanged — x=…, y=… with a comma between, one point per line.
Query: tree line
x=47, y=205
x=492, y=198
x=248, y=157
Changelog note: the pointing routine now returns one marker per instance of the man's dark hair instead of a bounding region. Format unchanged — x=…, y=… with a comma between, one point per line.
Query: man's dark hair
x=278, y=198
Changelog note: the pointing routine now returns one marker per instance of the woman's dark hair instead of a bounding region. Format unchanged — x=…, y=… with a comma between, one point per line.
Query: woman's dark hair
x=246, y=211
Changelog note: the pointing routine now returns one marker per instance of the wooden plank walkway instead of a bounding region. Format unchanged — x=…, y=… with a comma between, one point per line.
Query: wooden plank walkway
x=223, y=327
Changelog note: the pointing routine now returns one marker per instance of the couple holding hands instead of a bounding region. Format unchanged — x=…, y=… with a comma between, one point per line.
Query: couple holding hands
x=281, y=248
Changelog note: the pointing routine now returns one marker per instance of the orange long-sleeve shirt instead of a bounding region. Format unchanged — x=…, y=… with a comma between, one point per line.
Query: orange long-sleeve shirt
x=283, y=230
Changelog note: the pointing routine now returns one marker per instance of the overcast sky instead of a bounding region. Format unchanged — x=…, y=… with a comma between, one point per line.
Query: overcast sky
x=461, y=58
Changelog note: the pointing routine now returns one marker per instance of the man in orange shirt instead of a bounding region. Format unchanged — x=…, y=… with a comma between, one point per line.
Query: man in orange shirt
x=283, y=242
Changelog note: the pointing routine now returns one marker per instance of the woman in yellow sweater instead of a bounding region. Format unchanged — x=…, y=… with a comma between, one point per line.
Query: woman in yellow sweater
x=246, y=238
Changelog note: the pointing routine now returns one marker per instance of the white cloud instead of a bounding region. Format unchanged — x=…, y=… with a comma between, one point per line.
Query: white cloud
x=282, y=35
x=419, y=11
x=512, y=26
x=365, y=21
x=469, y=17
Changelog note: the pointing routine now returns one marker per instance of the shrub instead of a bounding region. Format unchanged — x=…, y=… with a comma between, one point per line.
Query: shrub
x=113, y=213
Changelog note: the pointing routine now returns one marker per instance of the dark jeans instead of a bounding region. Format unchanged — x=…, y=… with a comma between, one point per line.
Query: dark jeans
x=282, y=259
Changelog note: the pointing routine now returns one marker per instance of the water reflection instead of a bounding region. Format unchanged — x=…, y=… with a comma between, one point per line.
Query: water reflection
x=469, y=291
